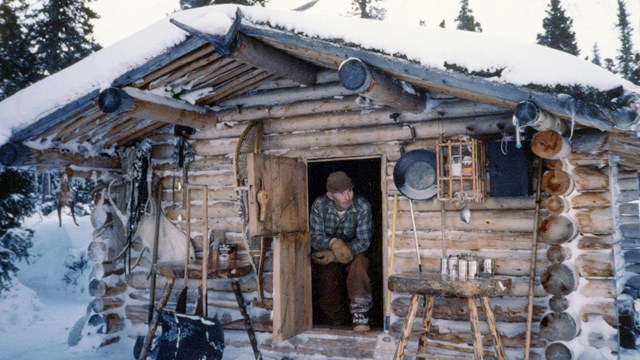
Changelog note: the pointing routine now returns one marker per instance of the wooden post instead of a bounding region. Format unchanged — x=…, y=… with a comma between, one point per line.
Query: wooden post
x=406, y=328
x=426, y=324
x=491, y=321
x=475, y=327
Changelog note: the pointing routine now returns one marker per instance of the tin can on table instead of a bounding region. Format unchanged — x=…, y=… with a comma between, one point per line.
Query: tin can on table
x=452, y=263
x=487, y=266
x=462, y=268
x=444, y=267
x=472, y=268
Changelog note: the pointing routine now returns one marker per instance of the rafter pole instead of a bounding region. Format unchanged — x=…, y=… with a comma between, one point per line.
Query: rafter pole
x=145, y=105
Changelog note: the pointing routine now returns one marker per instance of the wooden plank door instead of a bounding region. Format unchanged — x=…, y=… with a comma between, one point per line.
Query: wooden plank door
x=292, y=308
x=282, y=181
x=284, y=215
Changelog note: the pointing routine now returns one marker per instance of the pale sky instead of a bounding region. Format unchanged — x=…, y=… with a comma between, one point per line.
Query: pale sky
x=593, y=20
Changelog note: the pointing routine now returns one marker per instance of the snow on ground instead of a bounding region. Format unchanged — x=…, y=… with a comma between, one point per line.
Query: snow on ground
x=38, y=313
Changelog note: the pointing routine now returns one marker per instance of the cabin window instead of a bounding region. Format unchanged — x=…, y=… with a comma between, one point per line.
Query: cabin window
x=366, y=176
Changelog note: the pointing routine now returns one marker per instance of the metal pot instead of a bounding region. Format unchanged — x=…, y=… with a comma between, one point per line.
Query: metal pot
x=415, y=174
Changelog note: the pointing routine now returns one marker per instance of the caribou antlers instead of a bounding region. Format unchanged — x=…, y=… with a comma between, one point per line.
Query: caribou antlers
x=66, y=196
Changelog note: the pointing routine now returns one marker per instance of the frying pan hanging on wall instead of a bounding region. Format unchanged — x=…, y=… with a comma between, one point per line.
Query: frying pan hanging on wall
x=415, y=174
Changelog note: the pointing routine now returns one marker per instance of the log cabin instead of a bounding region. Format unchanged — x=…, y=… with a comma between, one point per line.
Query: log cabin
x=223, y=123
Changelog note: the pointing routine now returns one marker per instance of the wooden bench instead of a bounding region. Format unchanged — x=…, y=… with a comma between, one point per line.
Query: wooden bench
x=431, y=285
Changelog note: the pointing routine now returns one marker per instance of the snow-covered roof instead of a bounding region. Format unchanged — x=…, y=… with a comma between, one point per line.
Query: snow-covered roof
x=510, y=62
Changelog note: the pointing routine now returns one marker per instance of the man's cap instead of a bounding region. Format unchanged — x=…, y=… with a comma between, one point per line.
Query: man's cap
x=338, y=181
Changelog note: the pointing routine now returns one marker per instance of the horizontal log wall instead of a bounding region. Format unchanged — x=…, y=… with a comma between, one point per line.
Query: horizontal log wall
x=337, y=127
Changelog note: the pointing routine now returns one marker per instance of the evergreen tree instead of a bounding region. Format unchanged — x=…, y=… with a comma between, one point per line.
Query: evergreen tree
x=635, y=72
x=625, y=52
x=16, y=61
x=596, y=55
x=465, y=18
x=190, y=4
x=558, y=33
x=610, y=65
x=62, y=33
x=16, y=202
x=368, y=9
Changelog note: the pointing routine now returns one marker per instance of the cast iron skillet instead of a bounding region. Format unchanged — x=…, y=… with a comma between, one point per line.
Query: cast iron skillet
x=415, y=174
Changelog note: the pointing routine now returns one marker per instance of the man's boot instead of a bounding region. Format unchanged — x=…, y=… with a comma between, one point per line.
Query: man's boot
x=360, y=322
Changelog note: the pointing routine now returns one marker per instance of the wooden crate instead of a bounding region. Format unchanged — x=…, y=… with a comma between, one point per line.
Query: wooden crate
x=461, y=172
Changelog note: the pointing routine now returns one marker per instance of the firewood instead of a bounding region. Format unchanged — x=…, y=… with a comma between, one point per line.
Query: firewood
x=557, y=182
x=557, y=229
x=559, y=279
x=550, y=145
x=559, y=327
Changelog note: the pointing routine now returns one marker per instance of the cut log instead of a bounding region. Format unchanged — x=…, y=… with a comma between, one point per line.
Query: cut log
x=558, y=351
x=102, y=304
x=144, y=105
x=559, y=279
x=16, y=155
x=589, y=200
x=556, y=164
x=106, y=323
x=591, y=178
x=595, y=242
x=599, y=288
x=559, y=327
x=557, y=182
x=598, y=160
x=99, y=288
x=605, y=310
x=529, y=114
x=557, y=229
x=357, y=76
x=99, y=251
x=558, y=253
x=558, y=303
x=108, y=268
x=595, y=264
x=556, y=205
x=595, y=221
x=507, y=309
x=550, y=145
x=521, y=221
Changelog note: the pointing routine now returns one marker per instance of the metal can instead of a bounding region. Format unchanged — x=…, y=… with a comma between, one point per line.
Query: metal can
x=472, y=268
x=462, y=268
x=452, y=263
x=487, y=266
x=444, y=268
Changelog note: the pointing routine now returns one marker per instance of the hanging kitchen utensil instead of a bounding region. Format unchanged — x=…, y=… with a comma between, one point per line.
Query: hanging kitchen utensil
x=465, y=213
x=415, y=174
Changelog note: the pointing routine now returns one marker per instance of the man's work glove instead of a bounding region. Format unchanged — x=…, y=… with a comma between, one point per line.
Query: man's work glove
x=342, y=252
x=323, y=257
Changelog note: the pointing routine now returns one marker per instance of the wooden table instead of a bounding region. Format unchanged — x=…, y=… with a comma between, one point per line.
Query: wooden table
x=431, y=285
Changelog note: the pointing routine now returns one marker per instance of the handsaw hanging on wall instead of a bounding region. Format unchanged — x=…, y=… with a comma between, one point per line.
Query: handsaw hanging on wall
x=250, y=141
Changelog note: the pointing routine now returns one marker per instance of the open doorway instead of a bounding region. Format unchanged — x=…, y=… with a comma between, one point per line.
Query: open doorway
x=365, y=174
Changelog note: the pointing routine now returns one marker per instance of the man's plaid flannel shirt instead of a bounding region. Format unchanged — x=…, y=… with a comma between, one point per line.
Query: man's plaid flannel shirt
x=327, y=224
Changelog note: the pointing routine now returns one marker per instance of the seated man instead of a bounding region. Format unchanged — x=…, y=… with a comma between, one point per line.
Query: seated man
x=341, y=230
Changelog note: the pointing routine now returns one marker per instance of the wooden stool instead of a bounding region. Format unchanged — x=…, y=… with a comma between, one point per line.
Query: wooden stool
x=432, y=285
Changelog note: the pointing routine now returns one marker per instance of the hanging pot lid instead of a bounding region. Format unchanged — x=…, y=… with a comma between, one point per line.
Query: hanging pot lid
x=415, y=174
